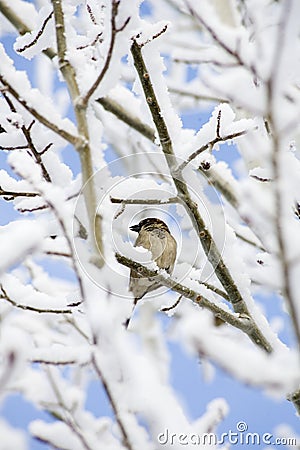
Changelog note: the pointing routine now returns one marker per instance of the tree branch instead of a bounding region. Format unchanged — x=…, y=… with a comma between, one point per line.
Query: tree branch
x=232, y=52
x=42, y=119
x=211, y=145
x=204, y=235
x=39, y=34
x=122, y=114
x=207, y=242
x=6, y=297
x=114, y=31
x=84, y=150
x=245, y=324
x=125, y=434
x=22, y=28
x=14, y=194
x=27, y=134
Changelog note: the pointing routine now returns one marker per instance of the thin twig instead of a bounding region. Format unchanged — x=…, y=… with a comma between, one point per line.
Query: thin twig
x=114, y=31
x=218, y=134
x=17, y=147
x=62, y=254
x=39, y=34
x=12, y=194
x=91, y=14
x=54, y=363
x=125, y=434
x=17, y=22
x=91, y=44
x=83, y=146
x=6, y=297
x=122, y=114
x=30, y=210
x=210, y=144
x=27, y=134
x=169, y=308
x=155, y=36
x=41, y=118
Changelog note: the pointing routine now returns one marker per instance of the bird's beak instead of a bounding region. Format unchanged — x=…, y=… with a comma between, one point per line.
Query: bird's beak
x=135, y=228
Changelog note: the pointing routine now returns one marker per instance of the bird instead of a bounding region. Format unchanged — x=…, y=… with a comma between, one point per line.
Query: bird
x=153, y=235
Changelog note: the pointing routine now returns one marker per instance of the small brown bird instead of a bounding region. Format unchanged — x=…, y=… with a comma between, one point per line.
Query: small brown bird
x=154, y=235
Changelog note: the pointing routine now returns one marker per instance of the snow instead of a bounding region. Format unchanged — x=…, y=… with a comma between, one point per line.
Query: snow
x=51, y=357
x=44, y=41
x=251, y=365
x=26, y=295
x=43, y=105
x=19, y=239
x=11, y=437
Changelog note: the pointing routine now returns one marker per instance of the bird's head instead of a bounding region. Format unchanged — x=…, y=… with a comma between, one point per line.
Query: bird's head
x=148, y=224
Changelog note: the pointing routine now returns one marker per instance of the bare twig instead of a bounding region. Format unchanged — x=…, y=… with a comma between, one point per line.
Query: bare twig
x=41, y=118
x=114, y=31
x=46, y=148
x=234, y=53
x=210, y=144
x=62, y=254
x=132, y=121
x=54, y=363
x=125, y=434
x=21, y=26
x=263, y=180
x=39, y=34
x=209, y=246
x=30, y=210
x=155, y=36
x=27, y=133
x=169, y=308
x=219, y=124
x=17, y=147
x=91, y=14
x=195, y=61
x=83, y=147
x=91, y=44
x=12, y=194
